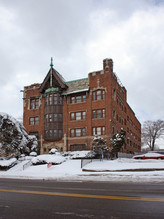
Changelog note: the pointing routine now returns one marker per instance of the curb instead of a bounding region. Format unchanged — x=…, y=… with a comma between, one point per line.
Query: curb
x=125, y=170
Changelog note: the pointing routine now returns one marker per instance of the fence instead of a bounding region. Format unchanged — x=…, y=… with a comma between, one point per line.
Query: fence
x=26, y=165
x=125, y=155
x=85, y=162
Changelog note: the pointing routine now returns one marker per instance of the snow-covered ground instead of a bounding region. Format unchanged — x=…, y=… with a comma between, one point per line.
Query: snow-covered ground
x=122, y=169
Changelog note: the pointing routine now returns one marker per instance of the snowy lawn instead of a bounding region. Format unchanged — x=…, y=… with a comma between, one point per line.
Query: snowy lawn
x=71, y=170
x=122, y=164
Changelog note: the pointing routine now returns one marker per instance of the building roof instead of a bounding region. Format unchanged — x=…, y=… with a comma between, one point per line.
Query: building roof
x=57, y=78
x=77, y=86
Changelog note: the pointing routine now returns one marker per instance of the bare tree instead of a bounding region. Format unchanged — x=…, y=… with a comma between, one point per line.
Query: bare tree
x=151, y=131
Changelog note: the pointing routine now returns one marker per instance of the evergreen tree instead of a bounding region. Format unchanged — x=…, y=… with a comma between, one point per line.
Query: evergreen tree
x=99, y=146
x=117, y=142
x=13, y=137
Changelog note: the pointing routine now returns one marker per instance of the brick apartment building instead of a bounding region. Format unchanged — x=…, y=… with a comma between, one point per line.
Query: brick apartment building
x=67, y=115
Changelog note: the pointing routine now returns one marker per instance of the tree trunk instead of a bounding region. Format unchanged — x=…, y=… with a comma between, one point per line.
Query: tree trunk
x=153, y=143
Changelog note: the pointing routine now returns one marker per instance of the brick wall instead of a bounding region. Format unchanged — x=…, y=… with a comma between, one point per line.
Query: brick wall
x=118, y=113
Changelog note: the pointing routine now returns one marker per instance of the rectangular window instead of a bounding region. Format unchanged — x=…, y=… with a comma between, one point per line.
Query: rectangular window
x=55, y=117
x=72, y=116
x=78, y=147
x=46, y=117
x=36, y=120
x=99, y=95
x=50, y=117
x=55, y=133
x=78, y=99
x=84, y=98
x=37, y=104
x=55, y=99
x=98, y=130
x=84, y=115
x=32, y=104
x=103, y=130
x=78, y=132
x=72, y=99
x=83, y=131
x=72, y=133
x=72, y=147
x=83, y=147
x=98, y=113
x=32, y=121
x=50, y=133
x=50, y=99
x=60, y=117
x=94, y=131
x=103, y=113
x=78, y=116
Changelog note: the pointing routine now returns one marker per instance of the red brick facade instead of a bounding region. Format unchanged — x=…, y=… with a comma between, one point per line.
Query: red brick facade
x=67, y=115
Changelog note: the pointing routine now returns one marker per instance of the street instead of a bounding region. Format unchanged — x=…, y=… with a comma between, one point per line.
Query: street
x=55, y=199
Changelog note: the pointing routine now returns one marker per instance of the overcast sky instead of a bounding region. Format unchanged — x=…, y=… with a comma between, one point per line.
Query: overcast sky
x=79, y=34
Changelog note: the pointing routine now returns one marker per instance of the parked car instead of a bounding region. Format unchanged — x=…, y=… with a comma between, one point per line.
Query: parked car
x=149, y=156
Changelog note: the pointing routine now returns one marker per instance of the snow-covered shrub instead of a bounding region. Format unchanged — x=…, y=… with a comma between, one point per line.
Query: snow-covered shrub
x=79, y=154
x=13, y=137
x=6, y=164
x=47, y=158
x=53, y=151
x=33, y=154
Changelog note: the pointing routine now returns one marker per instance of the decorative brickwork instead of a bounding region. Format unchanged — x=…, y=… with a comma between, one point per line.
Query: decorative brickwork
x=67, y=115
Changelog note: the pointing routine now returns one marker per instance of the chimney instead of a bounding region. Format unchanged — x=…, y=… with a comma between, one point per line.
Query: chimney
x=108, y=64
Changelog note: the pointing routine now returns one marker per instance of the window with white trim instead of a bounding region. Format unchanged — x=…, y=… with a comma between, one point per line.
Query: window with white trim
x=98, y=130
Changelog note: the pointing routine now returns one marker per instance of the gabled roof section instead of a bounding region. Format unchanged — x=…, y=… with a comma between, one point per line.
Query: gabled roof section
x=77, y=86
x=57, y=81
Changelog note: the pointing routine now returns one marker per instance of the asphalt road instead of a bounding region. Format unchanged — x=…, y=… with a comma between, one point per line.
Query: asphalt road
x=53, y=199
